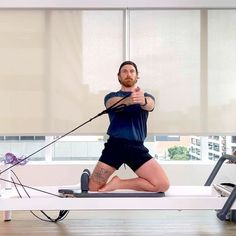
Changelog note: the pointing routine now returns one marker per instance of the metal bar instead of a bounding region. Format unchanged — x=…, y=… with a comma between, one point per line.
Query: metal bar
x=222, y=214
x=217, y=168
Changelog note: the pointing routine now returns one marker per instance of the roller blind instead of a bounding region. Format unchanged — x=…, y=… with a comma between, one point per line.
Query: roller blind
x=57, y=65
x=55, y=69
x=222, y=71
x=188, y=60
x=167, y=46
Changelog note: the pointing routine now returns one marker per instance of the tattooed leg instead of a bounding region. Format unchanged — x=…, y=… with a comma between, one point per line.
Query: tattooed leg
x=100, y=176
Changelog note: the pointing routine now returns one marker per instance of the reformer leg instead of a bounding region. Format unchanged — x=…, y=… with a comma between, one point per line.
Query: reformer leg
x=233, y=216
x=7, y=216
x=8, y=186
x=222, y=214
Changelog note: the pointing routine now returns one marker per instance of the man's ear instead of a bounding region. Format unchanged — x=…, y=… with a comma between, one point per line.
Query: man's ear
x=119, y=79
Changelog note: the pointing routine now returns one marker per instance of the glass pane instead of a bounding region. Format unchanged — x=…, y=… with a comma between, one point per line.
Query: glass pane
x=83, y=148
x=23, y=146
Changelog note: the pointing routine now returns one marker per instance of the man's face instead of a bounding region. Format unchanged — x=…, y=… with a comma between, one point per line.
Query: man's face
x=128, y=76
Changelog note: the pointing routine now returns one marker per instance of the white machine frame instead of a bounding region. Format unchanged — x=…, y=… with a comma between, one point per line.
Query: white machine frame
x=176, y=198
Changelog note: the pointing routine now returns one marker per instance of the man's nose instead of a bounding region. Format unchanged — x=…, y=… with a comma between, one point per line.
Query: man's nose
x=129, y=73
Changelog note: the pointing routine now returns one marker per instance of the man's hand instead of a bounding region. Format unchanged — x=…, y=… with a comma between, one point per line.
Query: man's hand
x=137, y=97
x=146, y=103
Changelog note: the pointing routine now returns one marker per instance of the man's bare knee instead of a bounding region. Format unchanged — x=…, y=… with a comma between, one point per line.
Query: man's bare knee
x=164, y=186
x=161, y=186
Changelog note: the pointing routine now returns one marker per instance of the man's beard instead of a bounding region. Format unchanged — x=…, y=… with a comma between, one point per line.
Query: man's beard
x=128, y=83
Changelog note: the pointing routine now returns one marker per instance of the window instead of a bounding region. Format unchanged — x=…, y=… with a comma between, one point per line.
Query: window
x=89, y=148
x=216, y=147
x=184, y=64
x=233, y=139
x=210, y=145
x=23, y=146
x=172, y=64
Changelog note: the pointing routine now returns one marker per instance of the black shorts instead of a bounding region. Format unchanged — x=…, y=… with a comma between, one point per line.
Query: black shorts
x=123, y=151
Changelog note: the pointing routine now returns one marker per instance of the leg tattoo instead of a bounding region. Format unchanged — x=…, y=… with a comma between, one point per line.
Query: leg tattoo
x=101, y=175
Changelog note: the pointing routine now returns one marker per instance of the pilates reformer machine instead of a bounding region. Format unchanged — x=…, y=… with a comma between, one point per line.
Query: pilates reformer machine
x=208, y=197
x=22, y=197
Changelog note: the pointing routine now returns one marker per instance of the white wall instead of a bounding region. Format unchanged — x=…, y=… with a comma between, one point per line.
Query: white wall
x=69, y=174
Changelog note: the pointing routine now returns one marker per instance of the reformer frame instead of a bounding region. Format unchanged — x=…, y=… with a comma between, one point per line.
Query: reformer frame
x=176, y=198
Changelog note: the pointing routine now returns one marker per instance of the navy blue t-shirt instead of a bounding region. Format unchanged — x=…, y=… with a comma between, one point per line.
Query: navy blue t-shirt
x=129, y=123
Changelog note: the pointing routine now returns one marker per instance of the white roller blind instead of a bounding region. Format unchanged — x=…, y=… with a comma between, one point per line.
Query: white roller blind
x=222, y=71
x=166, y=45
x=57, y=65
x=187, y=59
x=22, y=74
x=55, y=69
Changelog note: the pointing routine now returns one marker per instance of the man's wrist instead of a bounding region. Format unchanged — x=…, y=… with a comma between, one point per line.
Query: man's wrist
x=145, y=103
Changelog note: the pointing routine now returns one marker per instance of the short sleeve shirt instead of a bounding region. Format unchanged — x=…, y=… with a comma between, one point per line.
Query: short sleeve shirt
x=130, y=122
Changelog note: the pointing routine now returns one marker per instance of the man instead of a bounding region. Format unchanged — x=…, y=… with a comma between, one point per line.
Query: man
x=127, y=131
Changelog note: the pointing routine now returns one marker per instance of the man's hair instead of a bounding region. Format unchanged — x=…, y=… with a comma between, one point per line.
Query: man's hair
x=128, y=63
